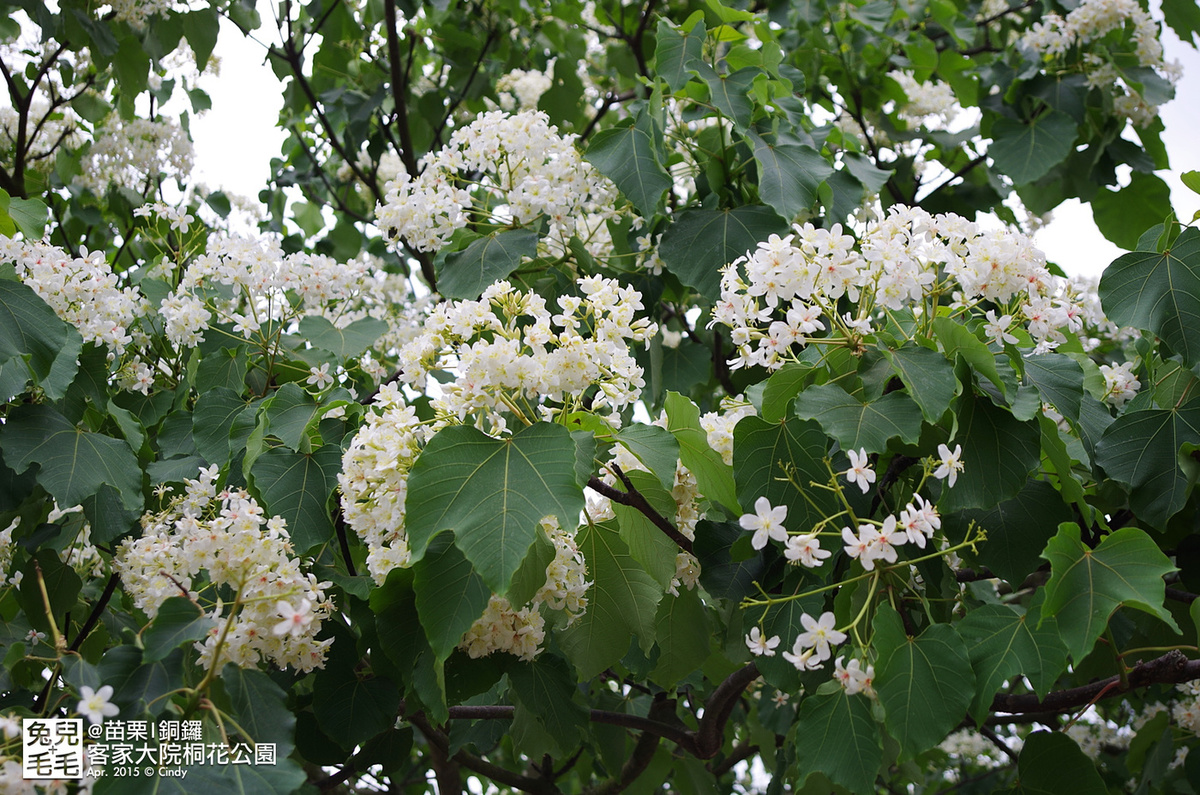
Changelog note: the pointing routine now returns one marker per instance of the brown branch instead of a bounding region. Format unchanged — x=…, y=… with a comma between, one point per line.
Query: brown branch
x=1171, y=668
x=636, y=500
x=739, y=753
x=643, y=752
x=98, y=608
x=292, y=57
x=453, y=106
x=399, y=87
x=608, y=102
x=1181, y=596
x=440, y=743
x=711, y=734
x=705, y=742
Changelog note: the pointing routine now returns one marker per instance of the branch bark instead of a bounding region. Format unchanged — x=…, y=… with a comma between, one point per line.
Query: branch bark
x=1171, y=668
x=635, y=499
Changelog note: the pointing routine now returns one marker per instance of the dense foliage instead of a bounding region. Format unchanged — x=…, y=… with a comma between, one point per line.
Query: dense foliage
x=610, y=396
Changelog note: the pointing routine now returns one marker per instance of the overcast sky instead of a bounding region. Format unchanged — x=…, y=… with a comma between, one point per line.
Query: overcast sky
x=236, y=140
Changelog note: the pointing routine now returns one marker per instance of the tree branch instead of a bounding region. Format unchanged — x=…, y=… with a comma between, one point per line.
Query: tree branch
x=440, y=743
x=1171, y=668
x=705, y=742
x=711, y=734
x=634, y=499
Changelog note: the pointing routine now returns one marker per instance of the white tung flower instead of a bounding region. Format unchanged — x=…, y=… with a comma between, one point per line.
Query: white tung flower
x=949, y=464
x=860, y=471
x=760, y=646
x=295, y=619
x=766, y=522
x=94, y=704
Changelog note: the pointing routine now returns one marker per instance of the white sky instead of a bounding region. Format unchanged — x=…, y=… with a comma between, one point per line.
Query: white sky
x=236, y=139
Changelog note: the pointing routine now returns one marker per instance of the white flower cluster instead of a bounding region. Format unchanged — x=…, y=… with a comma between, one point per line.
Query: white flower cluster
x=374, y=486
x=510, y=353
x=205, y=541
x=501, y=169
x=374, y=480
x=522, y=632
x=138, y=12
x=971, y=747
x=786, y=291
x=46, y=128
x=1092, y=20
x=250, y=283
x=917, y=523
x=931, y=103
x=81, y=290
x=134, y=153
x=521, y=89
x=1120, y=384
x=854, y=678
x=6, y=551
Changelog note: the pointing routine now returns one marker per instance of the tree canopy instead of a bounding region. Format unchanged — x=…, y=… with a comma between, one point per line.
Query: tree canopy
x=602, y=397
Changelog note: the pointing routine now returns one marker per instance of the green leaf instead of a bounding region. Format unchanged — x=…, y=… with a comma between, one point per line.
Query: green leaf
x=781, y=389
x=863, y=169
x=789, y=175
x=1052, y=764
x=1159, y=293
x=179, y=620
x=138, y=687
x=469, y=272
x=1002, y=644
x=450, y=595
x=628, y=155
x=701, y=242
x=763, y=455
x=675, y=53
x=224, y=368
x=62, y=588
x=713, y=475
x=622, y=602
x=998, y=453
x=653, y=446
x=957, y=340
x=260, y=707
x=1027, y=152
x=839, y=737
x=30, y=216
x=201, y=28
x=729, y=93
x=289, y=413
x=856, y=424
x=356, y=337
x=297, y=486
x=924, y=683
x=212, y=422
x=72, y=464
x=1139, y=451
x=353, y=710
x=493, y=493
x=1059, y=380
x=684, y=638
x=282, y=778
x=1123, y=215
x=1087, y=585
x=31, y=334
x=547, y=688
x=929, y=377
x=1017, y=528
x=649, y=545
x=1184, y=18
